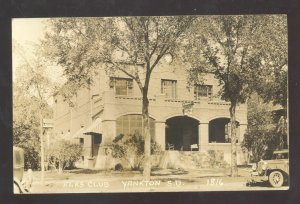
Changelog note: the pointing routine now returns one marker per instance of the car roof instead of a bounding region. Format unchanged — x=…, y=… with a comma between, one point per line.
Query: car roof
x=17, y=149
x=281, y=151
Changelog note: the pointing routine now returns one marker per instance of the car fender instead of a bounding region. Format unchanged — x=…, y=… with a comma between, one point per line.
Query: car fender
x=269, y=171
x=20, y=185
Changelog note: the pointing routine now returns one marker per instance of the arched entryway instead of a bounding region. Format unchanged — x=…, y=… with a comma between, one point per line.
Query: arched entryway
x=181, y=133
x=219, y=130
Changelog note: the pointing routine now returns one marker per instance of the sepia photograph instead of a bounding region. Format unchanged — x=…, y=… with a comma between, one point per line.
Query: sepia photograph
x=183, y=103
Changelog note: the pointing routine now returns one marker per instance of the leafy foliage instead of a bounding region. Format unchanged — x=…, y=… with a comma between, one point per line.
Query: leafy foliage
x=130, y=45
x=239, y=51
x=133, y=45
x=26, y=126
x=274, y=86
x=65, y=152
x=32, y=88
x=131, y=149
x=216, y=159
x=26, y=137
x=265, y=131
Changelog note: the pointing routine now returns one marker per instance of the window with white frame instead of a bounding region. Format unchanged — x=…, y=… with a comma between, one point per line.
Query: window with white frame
x=168, y=87
x=202, y=91
x=122, y=86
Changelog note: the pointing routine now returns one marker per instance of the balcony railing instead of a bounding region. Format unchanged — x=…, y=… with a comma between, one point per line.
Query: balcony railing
x=222, y=103
x=210, y=101
x=136, y=98
x=214, y=101
x=181, y=101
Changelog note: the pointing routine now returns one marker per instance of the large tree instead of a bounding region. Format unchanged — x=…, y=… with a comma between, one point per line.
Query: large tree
x=32, y=90
x=274, y=87
x=264, y=132
x=235, y=49
x=132, y=45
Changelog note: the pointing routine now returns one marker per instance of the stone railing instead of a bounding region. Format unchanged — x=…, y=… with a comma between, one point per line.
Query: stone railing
x=177, y=101
x=180, y=101
x=220, y=103
x=134, y=98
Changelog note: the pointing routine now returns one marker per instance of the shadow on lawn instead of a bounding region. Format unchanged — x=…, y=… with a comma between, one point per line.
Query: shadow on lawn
x=86, y=171
x=105, y=172
x=168, y=172
x=262, y=184
x=258, y=184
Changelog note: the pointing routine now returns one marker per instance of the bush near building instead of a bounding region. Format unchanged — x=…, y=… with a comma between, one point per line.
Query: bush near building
x=130, y=148
x=26, y=136
x=267, y=129
x=64, y=153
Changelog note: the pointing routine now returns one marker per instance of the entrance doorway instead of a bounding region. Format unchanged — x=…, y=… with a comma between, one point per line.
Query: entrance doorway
x=181, y=133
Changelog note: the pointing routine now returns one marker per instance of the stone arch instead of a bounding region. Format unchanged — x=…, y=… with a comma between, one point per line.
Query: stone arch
x=176, y=115
x=223, y=116
x=133, y=113
x=219, y=130
x=181, y=132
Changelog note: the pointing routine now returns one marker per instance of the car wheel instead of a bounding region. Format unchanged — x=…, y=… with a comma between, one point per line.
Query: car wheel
x=16, y=189
x=276, y=179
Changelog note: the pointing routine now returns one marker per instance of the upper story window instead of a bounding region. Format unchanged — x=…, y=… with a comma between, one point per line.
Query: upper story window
x=201, y=91
x=168, y=87
x=122, y=86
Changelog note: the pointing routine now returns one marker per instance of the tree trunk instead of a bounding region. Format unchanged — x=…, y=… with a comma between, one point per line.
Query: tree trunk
x=234, y=170
x=147, y=137
x=60, y=167
x=42, y=148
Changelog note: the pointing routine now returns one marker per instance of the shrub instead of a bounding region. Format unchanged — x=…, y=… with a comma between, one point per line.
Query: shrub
x=266, y=130
x=131, y=149
x=216, y=158
x=26, y=137
x=65, y=153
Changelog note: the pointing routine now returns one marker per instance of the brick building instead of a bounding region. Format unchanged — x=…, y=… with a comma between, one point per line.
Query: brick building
x=181, y=116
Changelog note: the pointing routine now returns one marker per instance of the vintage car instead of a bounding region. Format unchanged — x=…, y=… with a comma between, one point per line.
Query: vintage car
x=22, y=181
x=275, y=170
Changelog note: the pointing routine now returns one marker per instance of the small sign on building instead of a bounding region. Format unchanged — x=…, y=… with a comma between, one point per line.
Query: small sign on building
x=187, y=107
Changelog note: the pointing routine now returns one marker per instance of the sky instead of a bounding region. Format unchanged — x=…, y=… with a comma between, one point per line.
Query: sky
x=27, y=32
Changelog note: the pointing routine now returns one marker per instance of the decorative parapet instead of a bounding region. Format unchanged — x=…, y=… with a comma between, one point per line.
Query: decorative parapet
x=220, y=103
x=182, y=101
x=135, y=98
x=160, y=99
